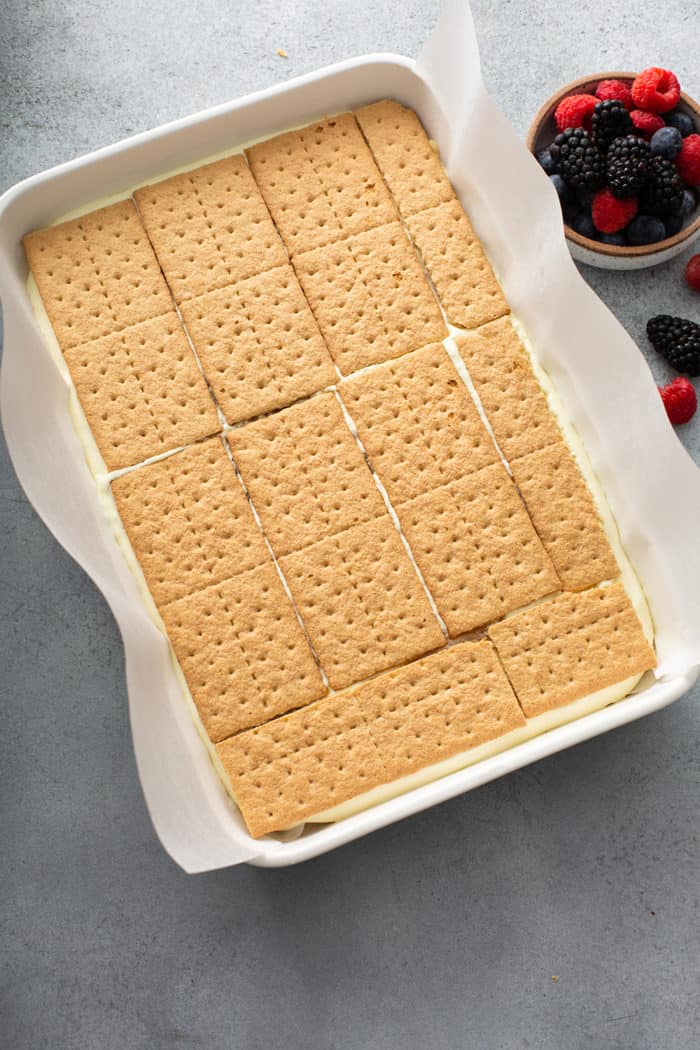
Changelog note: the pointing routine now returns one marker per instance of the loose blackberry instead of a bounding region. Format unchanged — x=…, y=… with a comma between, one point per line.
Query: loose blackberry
x=610, y=120
x=628, y=166
x=579, y=163
x=678, y=340
x=663, y=191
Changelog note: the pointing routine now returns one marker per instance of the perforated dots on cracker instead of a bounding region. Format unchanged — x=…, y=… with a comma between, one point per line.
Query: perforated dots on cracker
x=454, y=258
x=571, y=645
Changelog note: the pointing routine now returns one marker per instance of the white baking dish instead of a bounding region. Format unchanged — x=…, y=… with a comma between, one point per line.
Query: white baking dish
x=192, y=814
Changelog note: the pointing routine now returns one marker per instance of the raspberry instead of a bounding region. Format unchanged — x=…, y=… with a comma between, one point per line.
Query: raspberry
x=688, y=160
x=656, y=90
x=692, y=272
x=611, y=214
x=609, y=89
x=575, y=111
x=680, y=400
x=646, y=123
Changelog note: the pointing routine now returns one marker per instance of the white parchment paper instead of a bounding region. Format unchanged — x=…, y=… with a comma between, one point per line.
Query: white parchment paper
x=652, y=485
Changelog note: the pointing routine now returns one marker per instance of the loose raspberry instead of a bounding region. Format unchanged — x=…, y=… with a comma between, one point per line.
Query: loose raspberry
x=646, y=123
x=692, y=272
x=688, y=160
x=680, y=399
x=575, y=111
x=611, y=214
x=608, y=89
x=656, y=90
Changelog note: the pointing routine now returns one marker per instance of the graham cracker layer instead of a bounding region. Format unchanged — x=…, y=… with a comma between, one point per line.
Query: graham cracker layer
x=305, y=474
x=361, y=602
x=453, y=256
x=259, y=344
x=409, y=163
x=96, y=274
x=321, y=183
x=476, y=548
x=141, y=391
x=298, y=766
x=242, y=651
x=417, y=422
x=189, y=521
x=565, y=516
x=571, y=645
x=513, y=400
x=370, y=297
x=209, y=227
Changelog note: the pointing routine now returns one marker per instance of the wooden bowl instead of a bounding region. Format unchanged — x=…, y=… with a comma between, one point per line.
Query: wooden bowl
x=611, y=256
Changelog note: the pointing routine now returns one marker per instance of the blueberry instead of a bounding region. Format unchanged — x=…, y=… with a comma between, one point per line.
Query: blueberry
x=689, y=202
x=666, y=142
x=546, y=161
x=645, y=229
x=673, y=224
x=583, y=224
x=681, y=121
x=564, y=192
x=613, y=238
x=585, y=197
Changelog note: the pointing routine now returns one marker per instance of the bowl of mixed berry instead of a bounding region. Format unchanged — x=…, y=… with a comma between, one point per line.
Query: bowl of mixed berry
x=622, y=151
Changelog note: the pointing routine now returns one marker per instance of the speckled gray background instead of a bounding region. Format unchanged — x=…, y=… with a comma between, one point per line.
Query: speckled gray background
x=442, y=932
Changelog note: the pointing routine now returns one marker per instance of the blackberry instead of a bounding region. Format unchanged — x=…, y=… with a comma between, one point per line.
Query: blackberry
x=678, y=340
x=610, y=120
x=580, y=164
x=628, y=166
x=663, y=192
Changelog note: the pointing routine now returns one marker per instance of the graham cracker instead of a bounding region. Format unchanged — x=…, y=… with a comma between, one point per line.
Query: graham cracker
x=189, y=521
x=96, y=274
x=513, y=400
x=453, y=256
x=299, y=765
x=430, y=710
x=321, y=183
x=259, y=344
x=209, y=227
x=361, y=602
x=417, y=422
x=406, y=158
x=141, y=391
x=477, y=549
x=571, y=645
x=565, y=515
x=305, y=474
x=243, y=654
x=370, y=297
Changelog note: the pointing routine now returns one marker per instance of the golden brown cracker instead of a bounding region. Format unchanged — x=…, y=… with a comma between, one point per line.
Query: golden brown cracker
x=243, y=654
x=141, y=391
x=565, y=516
x=259, y=344
x=321, y=183
x=476, y=548
x=370, y=297
x=406, y=158
x=188, y=521
x=297, y=766
x=513, y=400
x=361, y=602
x=455, y=260
x=209, y=227
x=305, y=474
x=571, y=645
x=417, y=422
x=96, y=274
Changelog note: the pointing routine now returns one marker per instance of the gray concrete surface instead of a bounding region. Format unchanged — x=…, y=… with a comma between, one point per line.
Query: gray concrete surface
x=445, y=931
